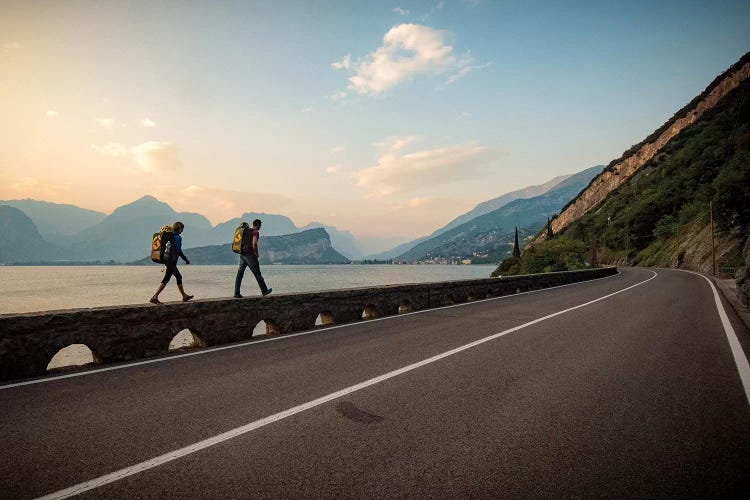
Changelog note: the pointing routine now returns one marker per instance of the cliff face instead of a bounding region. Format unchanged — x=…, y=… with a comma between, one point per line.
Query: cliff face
x=620, y=170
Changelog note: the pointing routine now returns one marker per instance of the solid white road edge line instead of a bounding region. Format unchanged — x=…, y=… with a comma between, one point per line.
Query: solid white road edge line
x=275, y=339
x=201, y=445
x=740, y=360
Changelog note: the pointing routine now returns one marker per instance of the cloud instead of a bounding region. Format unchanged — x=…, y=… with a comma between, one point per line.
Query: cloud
x=401, y=12
x=345, y=63
x=306, y=110
x=31, y=187
x=460, y=74
x=52, y=113
x=338, y=97
x=7, y=46
x=398, y=172
x=114, y=149
x=153, y=156
x=334, y=169
x=147, y=123
x=156, y=156
x=106, y=123
x=408, y=50
x=338, y=149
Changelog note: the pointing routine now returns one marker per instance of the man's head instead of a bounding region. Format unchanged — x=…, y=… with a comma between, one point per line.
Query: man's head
x=257, y=223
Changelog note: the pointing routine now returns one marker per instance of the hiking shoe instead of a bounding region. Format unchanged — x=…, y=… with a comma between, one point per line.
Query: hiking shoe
x=268, y=291
x=237, y=296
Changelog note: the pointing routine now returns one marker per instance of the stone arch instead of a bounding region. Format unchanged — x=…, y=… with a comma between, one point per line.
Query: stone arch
x=266, y=327
x=325, y=318
x=405, y=307
x=370, y=312
x=73, y=356
x=186, y=339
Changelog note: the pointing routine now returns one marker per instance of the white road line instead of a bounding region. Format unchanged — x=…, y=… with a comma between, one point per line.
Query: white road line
x=743, y=367
x=275, y=339
x=201, y=445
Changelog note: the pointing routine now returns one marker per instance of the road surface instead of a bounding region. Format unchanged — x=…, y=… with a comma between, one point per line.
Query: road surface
x=621, y=387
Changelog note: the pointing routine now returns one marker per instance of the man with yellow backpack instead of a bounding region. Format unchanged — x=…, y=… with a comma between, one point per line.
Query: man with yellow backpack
x=246, y=244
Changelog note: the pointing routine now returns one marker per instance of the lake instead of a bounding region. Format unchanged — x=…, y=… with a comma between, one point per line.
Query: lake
x=43, y=288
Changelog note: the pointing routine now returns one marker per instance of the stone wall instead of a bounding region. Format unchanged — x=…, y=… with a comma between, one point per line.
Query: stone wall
x=116, y=334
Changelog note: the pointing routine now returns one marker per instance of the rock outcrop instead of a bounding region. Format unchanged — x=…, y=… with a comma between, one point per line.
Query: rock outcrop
x=621, y=169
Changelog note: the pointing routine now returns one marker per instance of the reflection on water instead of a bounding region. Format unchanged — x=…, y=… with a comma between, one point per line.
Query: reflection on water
x=26, y=289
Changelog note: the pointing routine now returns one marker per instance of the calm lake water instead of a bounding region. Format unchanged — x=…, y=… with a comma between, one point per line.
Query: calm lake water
x=28, y=289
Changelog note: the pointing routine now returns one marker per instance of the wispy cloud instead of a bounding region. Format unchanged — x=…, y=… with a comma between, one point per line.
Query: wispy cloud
x=51, y=113
x=401, y=12
x=113, y=149
x=408, y=50
x=338, y=97
x=106, y=123
x=345, y=63
x=462, y=73
x=334, y=169
x=157, y=156
x=399, y=172
x=152, y=156
x=147, y=123
x=338, y=149
x=7, y=46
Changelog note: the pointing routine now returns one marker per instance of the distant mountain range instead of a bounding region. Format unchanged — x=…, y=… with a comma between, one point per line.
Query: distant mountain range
x=43, y=231
x=481, y=209
x=489, y=234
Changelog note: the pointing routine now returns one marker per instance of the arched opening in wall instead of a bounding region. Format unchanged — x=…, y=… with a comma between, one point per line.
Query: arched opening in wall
x=185, y=339
x=405, y=307
x=370, y=312
x=325, y=319
x=265, y=327
x=72, y=356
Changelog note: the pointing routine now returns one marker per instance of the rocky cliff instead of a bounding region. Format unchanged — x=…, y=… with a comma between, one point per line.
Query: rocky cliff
x=618, y=171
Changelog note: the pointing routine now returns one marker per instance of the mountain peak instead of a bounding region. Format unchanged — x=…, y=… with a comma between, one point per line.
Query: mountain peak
x=143, y=206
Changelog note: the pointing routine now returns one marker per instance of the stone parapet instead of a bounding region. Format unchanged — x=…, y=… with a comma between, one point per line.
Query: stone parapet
x=116, y=334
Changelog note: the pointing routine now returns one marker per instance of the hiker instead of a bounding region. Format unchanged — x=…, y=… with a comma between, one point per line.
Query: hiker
x=171, y=264
x=249, y=258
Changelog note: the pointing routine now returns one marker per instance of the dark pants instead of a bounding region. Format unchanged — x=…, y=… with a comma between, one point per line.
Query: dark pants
x=172, y=269
x=250, y=261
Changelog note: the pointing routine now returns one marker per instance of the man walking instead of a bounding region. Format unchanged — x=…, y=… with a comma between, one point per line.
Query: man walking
x=249, y=259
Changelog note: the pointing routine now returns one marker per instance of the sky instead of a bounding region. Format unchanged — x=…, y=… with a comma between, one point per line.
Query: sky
x=387, y=119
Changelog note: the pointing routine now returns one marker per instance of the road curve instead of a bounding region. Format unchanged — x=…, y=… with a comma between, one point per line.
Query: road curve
x=625, y=386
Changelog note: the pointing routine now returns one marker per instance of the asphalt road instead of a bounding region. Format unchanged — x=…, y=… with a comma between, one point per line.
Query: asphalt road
x=633, y=395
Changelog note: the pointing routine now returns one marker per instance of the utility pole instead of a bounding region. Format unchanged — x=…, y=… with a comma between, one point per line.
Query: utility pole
x=713, y=244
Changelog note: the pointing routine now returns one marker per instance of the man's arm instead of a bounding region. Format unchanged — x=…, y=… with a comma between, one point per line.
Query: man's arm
x=255, y=245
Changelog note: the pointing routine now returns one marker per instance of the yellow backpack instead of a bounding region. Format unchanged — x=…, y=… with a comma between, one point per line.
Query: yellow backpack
x=243, y=239
x=162, y=245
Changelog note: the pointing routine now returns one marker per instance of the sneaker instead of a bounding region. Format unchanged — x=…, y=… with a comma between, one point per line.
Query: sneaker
x=187, y=298
x=268, y=291
x=237, y=296
x=154, y=301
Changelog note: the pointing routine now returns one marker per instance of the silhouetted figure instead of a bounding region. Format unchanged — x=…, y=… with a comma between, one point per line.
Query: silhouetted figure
x=249, y=259
x=171, y=264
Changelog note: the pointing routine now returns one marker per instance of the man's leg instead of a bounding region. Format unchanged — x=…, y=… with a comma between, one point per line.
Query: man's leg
x=255, y=268
x=240, y=274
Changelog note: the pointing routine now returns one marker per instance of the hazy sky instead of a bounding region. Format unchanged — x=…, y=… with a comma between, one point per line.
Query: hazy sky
x=384, y=118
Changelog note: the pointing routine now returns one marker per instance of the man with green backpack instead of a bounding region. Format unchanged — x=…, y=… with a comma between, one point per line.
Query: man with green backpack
x=246, y=244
